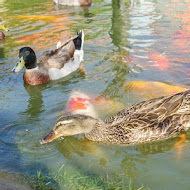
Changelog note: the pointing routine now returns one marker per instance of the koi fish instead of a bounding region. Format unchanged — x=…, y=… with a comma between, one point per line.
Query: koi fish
x=152, y=89
x=80, y=103
x=37, y=17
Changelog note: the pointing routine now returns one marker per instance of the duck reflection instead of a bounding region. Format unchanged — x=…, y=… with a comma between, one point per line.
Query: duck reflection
x=156, y=147
x=85, y=9
x=2, y=55
x=176, y=144
x=98, y=157
x=129, y=161
x=35, y=102
x=72, y=145
x=130, y=164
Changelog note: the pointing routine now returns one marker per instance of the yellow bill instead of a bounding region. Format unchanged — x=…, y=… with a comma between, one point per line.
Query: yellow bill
x=19, y=65
x=2, y=27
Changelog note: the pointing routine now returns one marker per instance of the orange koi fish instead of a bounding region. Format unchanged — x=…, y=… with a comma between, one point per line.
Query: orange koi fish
x=80, y=103
x=152, y=89
x=37, y=17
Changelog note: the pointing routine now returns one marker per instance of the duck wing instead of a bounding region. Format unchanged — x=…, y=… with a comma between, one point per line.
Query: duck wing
x=57, y=58
x=155, y=110
x=151, y=120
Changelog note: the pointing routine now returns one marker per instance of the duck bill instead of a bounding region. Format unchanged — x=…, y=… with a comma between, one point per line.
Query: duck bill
x=19, y=65
x=49, y=138
x=2, y=27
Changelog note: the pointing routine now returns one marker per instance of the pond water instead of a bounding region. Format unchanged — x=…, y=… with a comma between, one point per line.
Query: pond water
x=144, y=40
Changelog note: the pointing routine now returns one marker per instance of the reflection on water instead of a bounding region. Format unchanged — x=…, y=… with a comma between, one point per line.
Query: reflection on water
x=84, y=154
x=120, y=24
x=126, y=41
x=2, y=55
x=35, y=103
x=73, y=145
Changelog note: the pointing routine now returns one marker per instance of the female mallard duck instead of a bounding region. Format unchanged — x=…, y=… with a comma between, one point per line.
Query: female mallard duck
x=150, y=120
x=73, y=2
x=53, y=64
x=2, y=27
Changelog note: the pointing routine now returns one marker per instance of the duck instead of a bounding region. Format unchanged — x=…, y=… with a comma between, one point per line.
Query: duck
x=2, y=28
x=52, y=64
x=73, y=2
x=151, y=120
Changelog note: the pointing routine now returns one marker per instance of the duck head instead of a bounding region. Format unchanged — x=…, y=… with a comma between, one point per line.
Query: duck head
x=27, y=58
x=2, y=28
x=71, y=125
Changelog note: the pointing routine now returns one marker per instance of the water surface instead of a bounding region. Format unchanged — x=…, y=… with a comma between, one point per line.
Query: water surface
x=144, y=40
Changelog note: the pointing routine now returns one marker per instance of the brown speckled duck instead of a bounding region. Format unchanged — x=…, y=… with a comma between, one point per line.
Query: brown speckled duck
x=151, y=120
x=73, y=2
x=53, y=64
x=2, y=28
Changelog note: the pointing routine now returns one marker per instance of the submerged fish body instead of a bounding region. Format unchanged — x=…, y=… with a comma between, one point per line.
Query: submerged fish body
x=80, y=103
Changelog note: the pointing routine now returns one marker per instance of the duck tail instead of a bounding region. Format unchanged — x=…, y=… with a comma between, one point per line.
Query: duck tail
x=79, y=40
x=75, y=48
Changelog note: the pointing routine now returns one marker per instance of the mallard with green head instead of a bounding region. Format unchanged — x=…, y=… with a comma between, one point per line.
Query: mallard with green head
x=2, y=28
x=53, y=64
x=73, y=2
x=151, y=120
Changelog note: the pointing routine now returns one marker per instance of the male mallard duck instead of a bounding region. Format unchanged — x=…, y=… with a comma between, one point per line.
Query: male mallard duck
x=73, y=2
x=53, y=64
x=2, y=27
x=150, y=120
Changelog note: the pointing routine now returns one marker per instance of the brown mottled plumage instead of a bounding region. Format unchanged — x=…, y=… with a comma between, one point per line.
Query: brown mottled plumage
x=2, y=36
x=151, y=120
x=36, y=78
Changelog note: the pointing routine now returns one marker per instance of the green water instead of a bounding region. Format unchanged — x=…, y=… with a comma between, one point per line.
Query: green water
x=122, y=43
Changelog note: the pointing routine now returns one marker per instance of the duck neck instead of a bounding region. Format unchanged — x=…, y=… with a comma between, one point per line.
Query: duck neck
x=97, y=131
x=2, y=35
x=31, y=64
